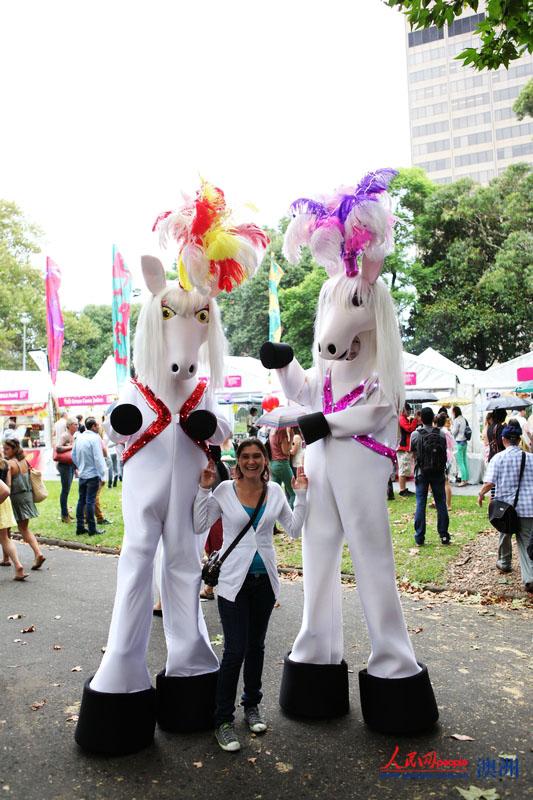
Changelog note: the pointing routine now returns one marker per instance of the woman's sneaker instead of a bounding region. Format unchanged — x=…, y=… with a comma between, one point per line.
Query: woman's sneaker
x=255, y=721
x=225, y=736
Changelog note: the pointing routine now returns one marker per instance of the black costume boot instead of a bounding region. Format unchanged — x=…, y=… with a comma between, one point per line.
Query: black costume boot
x=316, y=691
x=398, y=705
x=186, y=704
x=115, y=724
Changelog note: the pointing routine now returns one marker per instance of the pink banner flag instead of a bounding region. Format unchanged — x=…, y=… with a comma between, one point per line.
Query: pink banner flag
x=54, y=318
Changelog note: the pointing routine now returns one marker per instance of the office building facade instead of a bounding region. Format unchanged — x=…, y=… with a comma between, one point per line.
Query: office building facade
x=462, y=122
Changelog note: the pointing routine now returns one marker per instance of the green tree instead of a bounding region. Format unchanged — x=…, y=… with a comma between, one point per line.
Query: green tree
x=523, y=106
x=245, y=309
x=89, y=338
x=298, y=305
x=506, y=31
x=21, y=287
x=473, y=276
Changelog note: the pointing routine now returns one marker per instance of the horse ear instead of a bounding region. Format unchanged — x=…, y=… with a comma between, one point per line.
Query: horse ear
x=154, y=274
x=370, y=268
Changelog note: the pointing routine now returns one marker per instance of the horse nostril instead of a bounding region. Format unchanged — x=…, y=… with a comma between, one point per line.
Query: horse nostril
x=332, y=349
x=191, y=369
x=175, y=368
x=319, y=349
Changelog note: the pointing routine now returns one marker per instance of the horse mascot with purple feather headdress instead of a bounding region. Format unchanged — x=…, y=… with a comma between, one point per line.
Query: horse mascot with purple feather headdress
x=165, y=420
x=352, y=395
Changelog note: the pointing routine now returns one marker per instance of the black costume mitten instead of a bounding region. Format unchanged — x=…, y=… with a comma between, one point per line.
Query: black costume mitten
x=200, y=425
x=313, y=427
x=126, y=419
x=275, y=356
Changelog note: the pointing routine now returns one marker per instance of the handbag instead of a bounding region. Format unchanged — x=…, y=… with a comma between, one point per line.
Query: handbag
x=38, y=489
x=502, y=515
x=211, y=568
x=62, y=458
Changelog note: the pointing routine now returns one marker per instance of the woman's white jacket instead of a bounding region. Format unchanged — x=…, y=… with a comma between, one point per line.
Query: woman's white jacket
x=223, y=502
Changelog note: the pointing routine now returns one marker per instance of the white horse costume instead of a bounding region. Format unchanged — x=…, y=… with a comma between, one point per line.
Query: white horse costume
x=164, y=418
x=355, y=390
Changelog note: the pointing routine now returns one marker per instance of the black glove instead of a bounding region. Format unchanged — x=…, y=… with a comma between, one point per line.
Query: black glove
x=126, y=419
x=313, y=427
x=200, y=425
x=275, y=356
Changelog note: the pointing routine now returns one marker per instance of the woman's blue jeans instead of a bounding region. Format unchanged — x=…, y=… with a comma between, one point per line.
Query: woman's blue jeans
x=245, y=623
x=66, y=473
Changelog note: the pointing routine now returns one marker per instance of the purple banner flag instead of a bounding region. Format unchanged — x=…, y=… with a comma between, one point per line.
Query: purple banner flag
x=54, y=318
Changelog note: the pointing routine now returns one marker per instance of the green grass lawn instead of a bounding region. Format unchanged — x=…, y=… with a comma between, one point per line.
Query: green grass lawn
x=417, y=565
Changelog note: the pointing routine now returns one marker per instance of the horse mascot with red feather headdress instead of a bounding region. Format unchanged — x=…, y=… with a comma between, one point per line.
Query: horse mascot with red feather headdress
x=165, y=420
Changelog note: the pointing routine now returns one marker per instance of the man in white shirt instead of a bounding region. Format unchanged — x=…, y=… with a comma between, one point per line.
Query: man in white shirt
x=60, y=427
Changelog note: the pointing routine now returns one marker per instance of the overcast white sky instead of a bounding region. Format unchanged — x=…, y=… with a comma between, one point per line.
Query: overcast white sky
x=111, y=108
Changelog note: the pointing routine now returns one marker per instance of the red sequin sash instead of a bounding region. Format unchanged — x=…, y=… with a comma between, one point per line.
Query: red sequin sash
x=188, y=407
x=164, y=417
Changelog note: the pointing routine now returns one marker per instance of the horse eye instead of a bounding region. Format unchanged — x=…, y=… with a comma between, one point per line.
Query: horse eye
x=355, y=301
x=202, y=316
x=167, y=312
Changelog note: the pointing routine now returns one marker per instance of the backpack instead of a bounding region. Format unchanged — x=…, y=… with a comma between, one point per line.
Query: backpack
x=431, y=452
x=468, y=431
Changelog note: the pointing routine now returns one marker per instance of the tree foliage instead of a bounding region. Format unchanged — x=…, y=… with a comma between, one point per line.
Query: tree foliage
x=474, y=275
x=89, y=338
x=21, y=287
x=523, y=106
x=245, y=309
x=506, y=32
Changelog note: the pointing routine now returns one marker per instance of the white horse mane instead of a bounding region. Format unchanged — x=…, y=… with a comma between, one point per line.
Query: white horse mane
x=148, y=346
x=384, y=340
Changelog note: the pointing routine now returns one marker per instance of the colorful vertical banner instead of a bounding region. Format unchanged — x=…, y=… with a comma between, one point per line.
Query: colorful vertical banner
x=274, y=319
x=121, y=317
x=54, y=318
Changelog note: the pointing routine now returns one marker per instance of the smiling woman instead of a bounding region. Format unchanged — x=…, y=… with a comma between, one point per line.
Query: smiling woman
x=249, y=583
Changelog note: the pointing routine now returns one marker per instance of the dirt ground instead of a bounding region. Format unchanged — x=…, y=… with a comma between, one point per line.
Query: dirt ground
x=474, y=571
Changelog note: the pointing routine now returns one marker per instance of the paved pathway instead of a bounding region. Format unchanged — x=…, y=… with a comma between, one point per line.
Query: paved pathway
x=478, y=660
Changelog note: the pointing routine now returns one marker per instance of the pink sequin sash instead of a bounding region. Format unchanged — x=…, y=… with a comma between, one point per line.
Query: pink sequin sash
x=365, y=388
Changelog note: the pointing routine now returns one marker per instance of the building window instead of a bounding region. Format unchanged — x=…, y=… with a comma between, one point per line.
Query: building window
x=436, y=166
x=429, y=111
x=473, y=158
x=465, y=24
x=447, y=179
x=506, y=94
x=504, y=113
x=519, y=71
x=515, y=130
x=470, y=102
x=431, y=147
x=472, y=138
x=426, y=92
x=431, y=128
x=430, y=73
x=516, y=150
x=480, y=177
x=464, y=84
x=471, y=120
x=454, y=48
x=423, y=56
x=425, y=36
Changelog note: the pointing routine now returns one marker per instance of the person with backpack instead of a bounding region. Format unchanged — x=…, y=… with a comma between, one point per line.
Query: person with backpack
x=429, y=446
x=461, y=432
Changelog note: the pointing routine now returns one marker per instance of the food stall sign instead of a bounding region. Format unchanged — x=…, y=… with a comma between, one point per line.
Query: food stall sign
x=86, y=400
x=232, y=381
x=524, y=374
x=409, y=378
x=14, y=395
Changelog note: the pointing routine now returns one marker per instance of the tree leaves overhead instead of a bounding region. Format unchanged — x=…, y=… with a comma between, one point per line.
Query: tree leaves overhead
x=506, y=31
x=473, y=274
